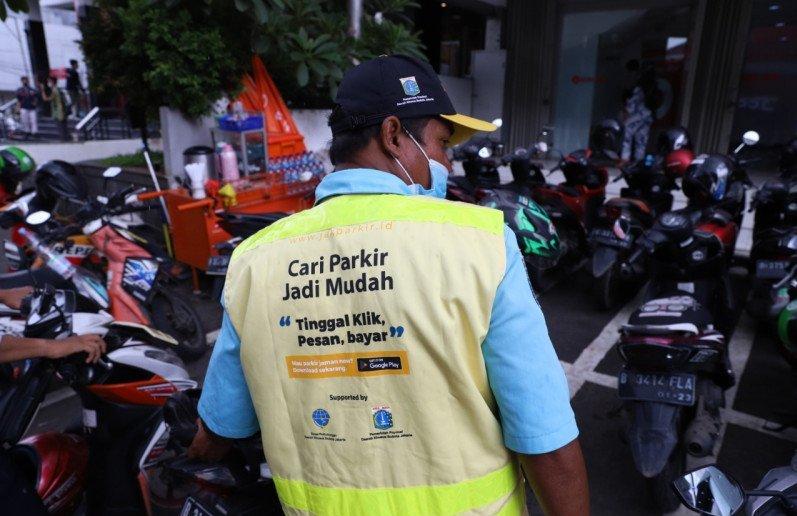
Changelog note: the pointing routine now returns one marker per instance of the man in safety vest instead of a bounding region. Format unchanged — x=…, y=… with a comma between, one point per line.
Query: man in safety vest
x=386, y=342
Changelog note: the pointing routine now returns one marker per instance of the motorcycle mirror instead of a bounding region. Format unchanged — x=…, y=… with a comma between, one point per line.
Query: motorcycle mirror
x=498, y=122
x=111, y=172
x=708, y=490
x=542, y=147
x=38, y=217
x=751, y=137
x=485, y=152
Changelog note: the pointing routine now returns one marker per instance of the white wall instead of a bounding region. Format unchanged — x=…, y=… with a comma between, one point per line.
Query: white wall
x=178, y=133
x=83, y=151
x=62, y=45
x=312, y=124
x=14, y=55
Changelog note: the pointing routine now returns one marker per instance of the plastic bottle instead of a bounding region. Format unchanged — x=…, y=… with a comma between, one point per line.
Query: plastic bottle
x=55, y=261
x=229, y=164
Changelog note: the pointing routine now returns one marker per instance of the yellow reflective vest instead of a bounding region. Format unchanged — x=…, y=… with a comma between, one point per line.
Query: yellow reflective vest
x=361, y=322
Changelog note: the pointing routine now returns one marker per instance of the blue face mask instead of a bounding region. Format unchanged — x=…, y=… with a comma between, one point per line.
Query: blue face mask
x=437, y=171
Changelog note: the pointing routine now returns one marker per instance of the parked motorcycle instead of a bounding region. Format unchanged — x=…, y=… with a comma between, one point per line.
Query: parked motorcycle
x=774, y=239
x=675, y=362
x=623, y=219
x=94, y=471
x=787, y=319
x=710, y=490
x=239, y=484
x=138, y=287
x=478, y=157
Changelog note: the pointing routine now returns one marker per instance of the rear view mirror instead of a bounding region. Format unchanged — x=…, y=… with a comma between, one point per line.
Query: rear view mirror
x=38, y=217
x=498, y=122
x=710, y=491
x=751, y=137
x=485, y=152
x=111, y=172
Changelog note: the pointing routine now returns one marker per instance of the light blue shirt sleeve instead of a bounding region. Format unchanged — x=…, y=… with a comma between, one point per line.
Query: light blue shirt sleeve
x=225, y=405
x=525, y=375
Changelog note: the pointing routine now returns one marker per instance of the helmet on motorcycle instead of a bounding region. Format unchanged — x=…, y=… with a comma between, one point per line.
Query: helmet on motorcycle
x=606, y=138
x=707, y=177
x=59, y=179
x=672, y=139
x=536, y=234
x=15, y=165
x=677, y=161
x=787, y=330
x=788, y=157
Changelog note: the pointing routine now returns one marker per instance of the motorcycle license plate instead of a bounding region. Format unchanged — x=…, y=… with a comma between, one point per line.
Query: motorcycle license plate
x=607, y=237
x=771, y=269
x=674, y=388
x=217, y=265
x=193, y=507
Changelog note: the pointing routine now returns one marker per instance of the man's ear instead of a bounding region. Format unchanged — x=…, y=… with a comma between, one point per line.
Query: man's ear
x=389, y=135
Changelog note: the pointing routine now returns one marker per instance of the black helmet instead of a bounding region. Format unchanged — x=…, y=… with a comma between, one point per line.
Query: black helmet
x=674, y=138
x=15, y=166
x=606, y=138
x=59, y=180
x=536, y=234
x=706, y=179
x=788, y=157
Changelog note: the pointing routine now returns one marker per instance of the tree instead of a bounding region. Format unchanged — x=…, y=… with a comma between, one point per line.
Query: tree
x=186, y=54
x=155, y=54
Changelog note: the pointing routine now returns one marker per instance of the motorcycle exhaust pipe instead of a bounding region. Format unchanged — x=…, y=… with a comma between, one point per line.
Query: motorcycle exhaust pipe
x=702, y=433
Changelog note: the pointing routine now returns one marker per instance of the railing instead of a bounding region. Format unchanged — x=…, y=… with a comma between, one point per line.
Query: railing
x=94, y=126
x=4, y=108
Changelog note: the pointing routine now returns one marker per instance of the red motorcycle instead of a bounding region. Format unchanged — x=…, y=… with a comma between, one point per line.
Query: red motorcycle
x=573, y=205
x=98, y=470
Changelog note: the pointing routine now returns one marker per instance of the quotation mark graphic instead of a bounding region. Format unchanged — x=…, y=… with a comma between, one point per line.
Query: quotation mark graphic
x=396, y=331
x=285, y=320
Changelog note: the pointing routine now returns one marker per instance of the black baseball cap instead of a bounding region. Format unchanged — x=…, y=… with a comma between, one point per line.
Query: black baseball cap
x=402, y=86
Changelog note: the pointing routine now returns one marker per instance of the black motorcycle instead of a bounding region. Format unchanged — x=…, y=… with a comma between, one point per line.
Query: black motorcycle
x=675, y=362
x=774, y=244
x=620, y=221
x=238, y=485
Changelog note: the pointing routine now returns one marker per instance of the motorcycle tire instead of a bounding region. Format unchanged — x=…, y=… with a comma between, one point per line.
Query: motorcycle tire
x=659, y=489
x=608, y=288
x=173, y=314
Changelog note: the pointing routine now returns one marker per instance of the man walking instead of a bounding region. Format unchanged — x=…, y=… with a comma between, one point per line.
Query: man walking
x=27, y=101
x=74, y=87
x=386, y=342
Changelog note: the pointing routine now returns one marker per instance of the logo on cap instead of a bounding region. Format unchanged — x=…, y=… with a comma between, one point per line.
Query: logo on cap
x=410, y=85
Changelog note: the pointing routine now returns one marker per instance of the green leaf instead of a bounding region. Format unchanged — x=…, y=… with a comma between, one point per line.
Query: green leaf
x=302, y=75
x=261, y=13
x=241, y=5
x=318, y=67
x=261, y=45
x=279, y=4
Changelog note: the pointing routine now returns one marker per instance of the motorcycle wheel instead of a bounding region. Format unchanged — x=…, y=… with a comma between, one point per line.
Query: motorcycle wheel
x=607, y=288
x=173, y=314
x=659, y=488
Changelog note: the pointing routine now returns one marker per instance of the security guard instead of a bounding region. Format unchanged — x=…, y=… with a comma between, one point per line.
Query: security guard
x=386, y=342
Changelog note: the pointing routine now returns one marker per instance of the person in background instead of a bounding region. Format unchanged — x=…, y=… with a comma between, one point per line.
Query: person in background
x=27, y=102
x=640, y=102
x=52, y=94
x=74, y=87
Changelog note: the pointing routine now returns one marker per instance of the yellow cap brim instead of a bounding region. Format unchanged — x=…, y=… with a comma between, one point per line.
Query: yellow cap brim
x=466, y=126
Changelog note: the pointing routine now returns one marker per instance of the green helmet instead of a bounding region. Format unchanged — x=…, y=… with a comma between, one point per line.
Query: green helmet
x=787, y=330
x=15, y=164
x=535, y=232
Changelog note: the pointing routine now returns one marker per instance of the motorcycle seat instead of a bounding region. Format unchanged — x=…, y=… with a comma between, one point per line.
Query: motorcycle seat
x=631, y=204
x=568, y=190
x=674, y=314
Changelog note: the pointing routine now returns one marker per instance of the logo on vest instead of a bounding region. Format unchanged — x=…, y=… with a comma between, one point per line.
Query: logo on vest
x=383, y=418
x=320, y=418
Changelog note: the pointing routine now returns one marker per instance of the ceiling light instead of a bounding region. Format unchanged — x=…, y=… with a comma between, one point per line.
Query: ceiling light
x=780, y=24
x=443, y=5
x=774, y=7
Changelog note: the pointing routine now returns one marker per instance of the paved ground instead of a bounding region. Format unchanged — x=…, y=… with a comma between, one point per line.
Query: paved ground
x=584, y=338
